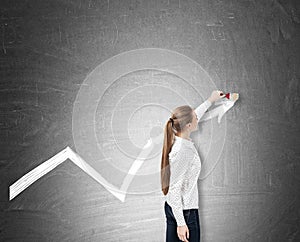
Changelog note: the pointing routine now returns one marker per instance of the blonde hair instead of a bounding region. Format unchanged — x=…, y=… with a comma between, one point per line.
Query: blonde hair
x=181, y=116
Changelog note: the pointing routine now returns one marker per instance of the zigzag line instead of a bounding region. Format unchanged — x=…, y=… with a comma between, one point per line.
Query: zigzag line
x=47, y=166
x=67, y=153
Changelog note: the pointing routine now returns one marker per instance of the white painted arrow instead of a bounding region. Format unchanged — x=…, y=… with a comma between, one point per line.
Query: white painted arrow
x=47, y=166
x=225, y=105
x=67, y=153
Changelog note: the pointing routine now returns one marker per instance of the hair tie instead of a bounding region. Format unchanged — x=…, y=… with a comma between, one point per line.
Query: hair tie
x=171, y=120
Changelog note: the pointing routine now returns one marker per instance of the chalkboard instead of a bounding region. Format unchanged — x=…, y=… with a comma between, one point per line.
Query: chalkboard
x=85, y=84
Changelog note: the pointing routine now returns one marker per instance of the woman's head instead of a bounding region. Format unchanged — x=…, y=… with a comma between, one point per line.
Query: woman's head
x=183, y=119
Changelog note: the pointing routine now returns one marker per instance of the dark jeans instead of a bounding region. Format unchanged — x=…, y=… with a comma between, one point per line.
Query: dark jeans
x=191, y=217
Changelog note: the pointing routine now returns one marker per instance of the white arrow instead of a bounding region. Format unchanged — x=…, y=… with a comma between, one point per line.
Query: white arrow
x=225, y=105
x=47, y=166
x=25, y=181
x=67, y=153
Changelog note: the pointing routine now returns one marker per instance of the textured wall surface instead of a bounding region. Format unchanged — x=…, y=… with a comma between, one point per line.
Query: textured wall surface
x=51, y=52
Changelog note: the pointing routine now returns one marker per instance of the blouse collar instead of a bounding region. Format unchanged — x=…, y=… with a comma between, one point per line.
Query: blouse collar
x=184, y=141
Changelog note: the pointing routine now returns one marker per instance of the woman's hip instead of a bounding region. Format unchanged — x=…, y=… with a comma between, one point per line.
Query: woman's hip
x=191, y=216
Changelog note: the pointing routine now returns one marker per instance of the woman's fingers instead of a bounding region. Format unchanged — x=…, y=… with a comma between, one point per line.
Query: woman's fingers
x=221, y=94
x=183, y=238
x=182, y=235
x=217, y=94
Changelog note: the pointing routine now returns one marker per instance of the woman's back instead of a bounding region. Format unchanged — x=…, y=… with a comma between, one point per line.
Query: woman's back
x=185, y=167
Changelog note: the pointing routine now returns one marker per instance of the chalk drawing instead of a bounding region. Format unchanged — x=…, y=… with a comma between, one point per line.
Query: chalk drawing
x=9, y=35
x=217, y=24
x=111, y=70
x=216, y=30
x=92, y=87
x=8, y=30
x=3, y=44
x=47, y=166
x=217, y=34
x=28, y=179
x=225, y=105
x=59, y=30
x=36, y=95
x=230, y=15
x=25, y=181
x=90, y=4
x=114, y=41
x=124, y=17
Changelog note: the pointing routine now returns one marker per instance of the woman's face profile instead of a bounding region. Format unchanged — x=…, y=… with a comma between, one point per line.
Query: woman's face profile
x=194, y=123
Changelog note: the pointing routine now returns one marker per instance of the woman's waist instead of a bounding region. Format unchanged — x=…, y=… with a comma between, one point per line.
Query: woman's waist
x=185, y=208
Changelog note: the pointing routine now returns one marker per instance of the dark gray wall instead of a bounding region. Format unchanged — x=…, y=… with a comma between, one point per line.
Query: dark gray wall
x=48, y=48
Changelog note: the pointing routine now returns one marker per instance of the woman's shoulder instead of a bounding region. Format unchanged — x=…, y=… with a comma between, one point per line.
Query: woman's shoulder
x=179, y=149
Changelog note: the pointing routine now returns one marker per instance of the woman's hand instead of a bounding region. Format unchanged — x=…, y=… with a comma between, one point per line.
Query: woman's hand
x=215, y=95
x=181, y=232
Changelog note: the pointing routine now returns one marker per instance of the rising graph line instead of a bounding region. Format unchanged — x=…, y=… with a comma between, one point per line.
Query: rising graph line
x=25, y=181
x=47, y=166
x=67, y=153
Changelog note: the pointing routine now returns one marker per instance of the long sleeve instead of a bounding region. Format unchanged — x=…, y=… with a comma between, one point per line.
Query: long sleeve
x=179, y=165
x=200, y=110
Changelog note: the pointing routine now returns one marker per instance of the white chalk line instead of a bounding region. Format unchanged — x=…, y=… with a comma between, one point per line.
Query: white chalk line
x=25, y=181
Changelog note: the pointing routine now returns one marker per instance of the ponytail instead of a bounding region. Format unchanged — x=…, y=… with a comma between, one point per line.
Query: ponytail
x=167, y=145
x=180, y=117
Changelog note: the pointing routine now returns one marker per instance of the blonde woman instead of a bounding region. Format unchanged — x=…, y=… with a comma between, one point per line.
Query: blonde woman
x=180, y=168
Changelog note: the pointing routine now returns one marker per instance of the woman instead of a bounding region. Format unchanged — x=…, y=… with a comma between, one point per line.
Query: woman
x=180, y=168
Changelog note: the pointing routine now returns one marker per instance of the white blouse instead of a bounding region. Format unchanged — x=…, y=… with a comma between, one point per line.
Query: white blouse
x=185, y=167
